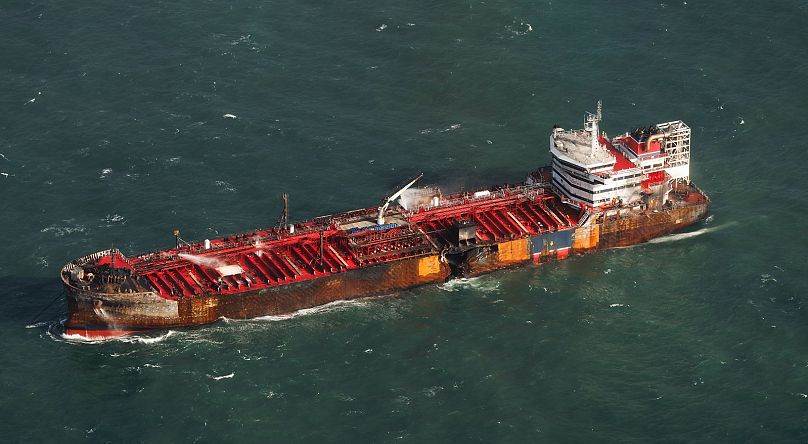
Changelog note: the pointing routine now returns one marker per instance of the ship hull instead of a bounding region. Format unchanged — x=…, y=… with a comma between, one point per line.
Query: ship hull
x=94, y=312
x=100, y=315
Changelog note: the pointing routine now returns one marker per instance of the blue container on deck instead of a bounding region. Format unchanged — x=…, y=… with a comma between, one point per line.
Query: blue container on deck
x=372, y=228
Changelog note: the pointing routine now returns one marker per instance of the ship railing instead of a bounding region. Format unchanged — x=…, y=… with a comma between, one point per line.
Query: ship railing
x=528, y=191
x=99, y=254
x=324, y=223
x=247, y=238
x=699, y=190
x=70, y=267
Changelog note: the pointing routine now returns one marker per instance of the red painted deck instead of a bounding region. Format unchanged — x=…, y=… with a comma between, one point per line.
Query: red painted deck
x=273, y=257
x=622, y=161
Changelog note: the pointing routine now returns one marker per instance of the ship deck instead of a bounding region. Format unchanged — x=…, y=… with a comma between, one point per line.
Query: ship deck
x=343, y=242
x=621, y=161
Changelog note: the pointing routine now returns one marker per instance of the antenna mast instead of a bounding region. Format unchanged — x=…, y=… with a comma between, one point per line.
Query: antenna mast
x=283, y=221
x=591, y=122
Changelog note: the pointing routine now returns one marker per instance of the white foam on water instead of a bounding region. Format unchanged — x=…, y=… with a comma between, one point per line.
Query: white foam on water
x=118, y=355
x=112, y=219
x=217, y=378
x=77, y=339
x=37, y=325
x=331, y=306
x=452, y=127
x=481, y=283
x=225, y=186
x=62, y=230
x=131, y=339
x=519, y=29
x=56, y=331
x=134, y=339
x=270, y=394
x=681, y=236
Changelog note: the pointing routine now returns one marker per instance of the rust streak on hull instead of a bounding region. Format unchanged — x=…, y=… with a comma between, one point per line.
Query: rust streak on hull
x=153, y=312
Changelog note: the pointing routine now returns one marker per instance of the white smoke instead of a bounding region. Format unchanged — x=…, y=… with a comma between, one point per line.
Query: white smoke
x=417, y=197
x=210, y=262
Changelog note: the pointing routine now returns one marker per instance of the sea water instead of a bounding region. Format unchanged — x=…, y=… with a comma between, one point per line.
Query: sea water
x=122, y=121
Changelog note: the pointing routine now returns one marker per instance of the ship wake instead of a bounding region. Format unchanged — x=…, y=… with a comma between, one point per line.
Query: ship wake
x=682, y=236
x=326, y=308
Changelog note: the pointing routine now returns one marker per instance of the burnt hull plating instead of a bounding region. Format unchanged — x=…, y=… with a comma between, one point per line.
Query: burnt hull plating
x=89, y=318
x=98, y=315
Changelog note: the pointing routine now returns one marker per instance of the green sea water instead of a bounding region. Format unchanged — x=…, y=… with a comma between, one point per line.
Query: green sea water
x=120, y=121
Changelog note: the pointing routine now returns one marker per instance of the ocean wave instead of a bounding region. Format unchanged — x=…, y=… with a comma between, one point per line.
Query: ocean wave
x=217, y=378
x=519, y=29
x=225, y=187
x=452, y=127
x=38, y=324
x=62, y=230
x=118, y=355
x=112, y=219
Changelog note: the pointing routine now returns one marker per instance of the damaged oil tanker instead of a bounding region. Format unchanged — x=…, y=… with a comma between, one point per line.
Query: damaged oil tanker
x=598, y=193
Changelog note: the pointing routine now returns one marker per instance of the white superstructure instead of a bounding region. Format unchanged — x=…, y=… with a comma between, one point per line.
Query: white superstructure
x=637, y=167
